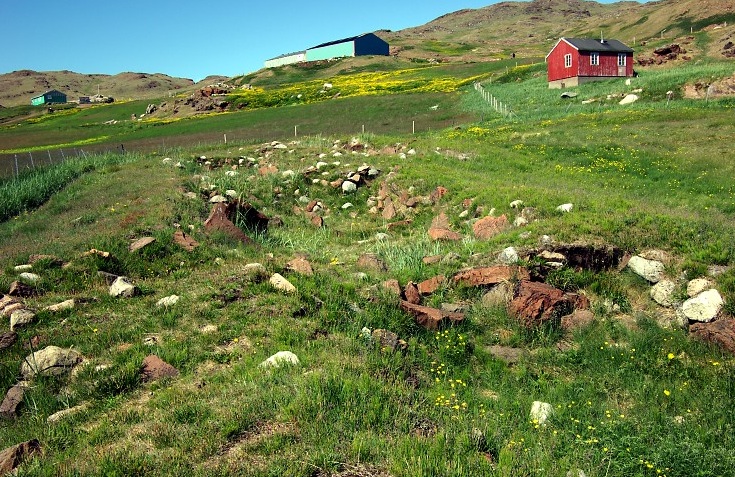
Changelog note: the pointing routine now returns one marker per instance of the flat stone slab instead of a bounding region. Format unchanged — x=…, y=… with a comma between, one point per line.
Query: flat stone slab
x=431, y=318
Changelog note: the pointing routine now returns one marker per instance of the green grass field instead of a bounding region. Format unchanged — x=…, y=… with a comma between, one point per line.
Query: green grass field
x=630, y=397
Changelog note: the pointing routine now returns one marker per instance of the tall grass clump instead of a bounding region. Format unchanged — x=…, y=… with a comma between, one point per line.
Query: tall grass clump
x=32, y=188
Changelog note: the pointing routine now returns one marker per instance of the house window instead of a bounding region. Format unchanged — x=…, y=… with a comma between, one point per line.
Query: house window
x=568, y=60
x=621, y=59
x=595, y=59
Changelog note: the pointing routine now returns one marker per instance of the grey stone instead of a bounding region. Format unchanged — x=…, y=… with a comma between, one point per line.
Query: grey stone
x=697, y=286
x=64, y=305
x=280, y=359
x=30, y=277
x=651, y=270
x=349, y=186
x=704, y=307
x=50, y=361
x=508, y=256
x=121, y=287
x=167, y=301
x=540, y=412
x=13, y=399
x=280, y=283
x=663, y=293
x=21, y=318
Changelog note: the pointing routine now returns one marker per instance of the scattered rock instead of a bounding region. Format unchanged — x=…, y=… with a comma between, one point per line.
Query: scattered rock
x=507, y=354
x=540, y=412
x=14, y=456
x=184, y=241
x=280, y=283
x=50, y=361
x=370, y=261
x=697, y=286
x=21, y=290
x=651, y=270
x=60, y=415
x=154, y=368
x=537, y=303
x=282, y=358
x=577, y=320
x=663, y=293
x=23, y=268
x=301, y=266
x=508, y=256
x=565, y=208
x=7, y=339
x=140, y=243
x=431, y=318
x=21, y=318
x=411, y=293
x=720, y=333
x=348, y=187
x=440, y=230
x=491, y=275
x=13, y=399
x=628, y=99
x=255, y=272
x=488, y=227
x=392, y=286
x=121, y=287
x=499, y=296
x=64, y=305
x=167, y=301
x=427, y=287
x=388, y=340
x=704, y=307
x=29, y=277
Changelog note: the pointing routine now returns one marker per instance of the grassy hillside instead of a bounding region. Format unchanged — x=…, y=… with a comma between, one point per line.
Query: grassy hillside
x=631, y=394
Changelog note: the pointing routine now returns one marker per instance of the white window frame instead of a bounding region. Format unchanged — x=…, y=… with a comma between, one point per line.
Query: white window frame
x=622, y=59
x=568, y=60
x=594, y=58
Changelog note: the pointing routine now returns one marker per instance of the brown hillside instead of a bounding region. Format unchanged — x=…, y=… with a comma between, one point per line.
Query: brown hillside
x=19, y=87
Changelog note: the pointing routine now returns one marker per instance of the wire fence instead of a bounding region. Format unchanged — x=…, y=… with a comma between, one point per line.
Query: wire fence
x=505, y=110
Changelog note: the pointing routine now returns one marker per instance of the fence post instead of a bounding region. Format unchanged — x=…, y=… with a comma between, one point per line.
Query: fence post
x=413, y=127
x=225, y=138
x=16, y=166
x=31, y=156
x=51, y=161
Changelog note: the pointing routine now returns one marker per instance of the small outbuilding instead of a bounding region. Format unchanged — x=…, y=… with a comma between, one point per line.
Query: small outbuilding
x=573, y=61
x=49, y=97
x=361, y=45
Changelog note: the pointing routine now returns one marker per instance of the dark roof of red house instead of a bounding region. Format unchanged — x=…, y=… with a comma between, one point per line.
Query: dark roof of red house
x=601, y=46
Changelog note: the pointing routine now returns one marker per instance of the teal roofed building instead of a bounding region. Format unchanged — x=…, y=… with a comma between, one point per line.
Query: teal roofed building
x=49, y=97
x=361, y=45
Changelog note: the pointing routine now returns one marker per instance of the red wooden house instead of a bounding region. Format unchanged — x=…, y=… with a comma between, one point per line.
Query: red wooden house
x=574, y=61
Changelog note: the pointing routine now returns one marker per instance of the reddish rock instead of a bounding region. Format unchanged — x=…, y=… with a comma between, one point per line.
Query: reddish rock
x=22, y=290
x=411, y=293
x=140, y=243
x=578, y=319
x=400, y=223
x=337, y=183
x=268, y=169
x=538, y=303
x=218, y=221
x=383, y=191
x=13, y=399
x=432, y=259
x=14, y=456
x=389, y=210
x=720, y=333
x=7, y=339
x=392, y=286
x=371, y=261
x=8, y=310
x=155, y=368
x=440, y=230
x=467, y=203
x=310, y=206
x=316, y=220
x=431, y=318
x=490, y=275
x=184, y=241
x=438, y=193
x=300, y=265
x=412, y=202
x=427, y=287
x=488, y=227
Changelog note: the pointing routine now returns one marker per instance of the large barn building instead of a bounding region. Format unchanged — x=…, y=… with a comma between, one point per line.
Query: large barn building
x=574, y=61
x=49, y=97
x=361, y=45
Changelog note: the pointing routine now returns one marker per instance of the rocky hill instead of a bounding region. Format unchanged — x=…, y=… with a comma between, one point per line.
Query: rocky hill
x=18, y=87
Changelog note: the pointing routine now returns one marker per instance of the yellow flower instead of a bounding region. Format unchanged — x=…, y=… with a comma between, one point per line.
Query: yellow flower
x=670, y=356
x=667, y=392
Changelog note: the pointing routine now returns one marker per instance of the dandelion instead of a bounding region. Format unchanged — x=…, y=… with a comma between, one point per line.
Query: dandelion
x=667, y=392
x=670, y=356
